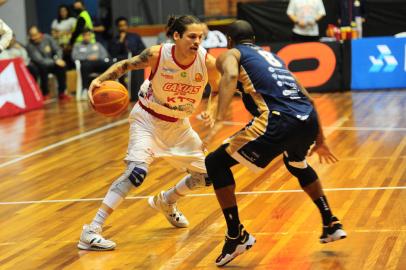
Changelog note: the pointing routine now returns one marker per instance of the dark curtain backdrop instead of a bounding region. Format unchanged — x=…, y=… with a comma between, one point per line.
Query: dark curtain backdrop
x=272, y=24
x=385, y=17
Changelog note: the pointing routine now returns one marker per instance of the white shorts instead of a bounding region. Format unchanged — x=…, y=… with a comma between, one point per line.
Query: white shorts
x=176, y=142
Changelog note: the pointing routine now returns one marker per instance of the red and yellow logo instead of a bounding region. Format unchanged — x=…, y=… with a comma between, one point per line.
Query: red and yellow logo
x=198, y=77
x=181, y=89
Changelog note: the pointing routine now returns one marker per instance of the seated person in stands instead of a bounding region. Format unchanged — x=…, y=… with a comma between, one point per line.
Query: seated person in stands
x=47, y=56
x=125, y=42
x=162, y=38
x=5, y=34
x=15, y=50
x=93, y=58
x=213, y=38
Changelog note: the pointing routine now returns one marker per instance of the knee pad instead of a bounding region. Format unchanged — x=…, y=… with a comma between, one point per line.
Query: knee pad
x=134, y=175
x=137, y=173
x=301, y=170
x=218, y=164
x=197, y=180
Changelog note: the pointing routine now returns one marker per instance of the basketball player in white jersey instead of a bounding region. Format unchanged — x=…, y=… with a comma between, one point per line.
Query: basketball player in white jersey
x=159, y=124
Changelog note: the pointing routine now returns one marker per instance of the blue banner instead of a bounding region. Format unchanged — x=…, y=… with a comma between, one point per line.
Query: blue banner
x=378, y=63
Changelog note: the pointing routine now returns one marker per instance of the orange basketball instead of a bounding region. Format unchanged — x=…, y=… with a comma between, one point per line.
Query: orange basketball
x=111, y=98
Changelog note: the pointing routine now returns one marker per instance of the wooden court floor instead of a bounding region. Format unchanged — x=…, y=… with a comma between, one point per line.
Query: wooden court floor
x=56, y=165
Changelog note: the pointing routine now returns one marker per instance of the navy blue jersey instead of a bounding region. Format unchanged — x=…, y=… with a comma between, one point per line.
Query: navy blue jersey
x=267, y=85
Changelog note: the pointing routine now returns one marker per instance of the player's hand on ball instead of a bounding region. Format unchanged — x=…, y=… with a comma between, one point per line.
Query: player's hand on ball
x=95, y=84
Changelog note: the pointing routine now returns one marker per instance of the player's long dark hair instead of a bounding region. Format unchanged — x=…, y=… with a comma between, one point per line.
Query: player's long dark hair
x=179, y=24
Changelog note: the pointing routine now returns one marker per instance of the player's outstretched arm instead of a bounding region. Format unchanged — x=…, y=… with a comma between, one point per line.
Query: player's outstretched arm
x=214, y=80
x=228, y=65
x=320, y=147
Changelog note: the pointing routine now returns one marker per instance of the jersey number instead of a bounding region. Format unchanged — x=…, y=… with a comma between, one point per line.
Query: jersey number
x=270, y=58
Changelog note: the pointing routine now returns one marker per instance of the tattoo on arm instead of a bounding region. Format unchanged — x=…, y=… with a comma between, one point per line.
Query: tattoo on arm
x=117, y=70
x=141, y=60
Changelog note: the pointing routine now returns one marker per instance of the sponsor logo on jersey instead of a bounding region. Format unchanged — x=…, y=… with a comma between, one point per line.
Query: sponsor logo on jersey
x=181, y=88
x=289, y=92
x=291, y=84
x=167, y=76
x=180, y=99
x=198, y=77
x=169, y=70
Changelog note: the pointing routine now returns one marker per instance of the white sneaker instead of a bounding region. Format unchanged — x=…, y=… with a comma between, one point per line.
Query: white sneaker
x=172, y=214
x=90, y=239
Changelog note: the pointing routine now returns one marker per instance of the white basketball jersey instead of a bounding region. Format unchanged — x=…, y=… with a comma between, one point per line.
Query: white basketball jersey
x=175, y=90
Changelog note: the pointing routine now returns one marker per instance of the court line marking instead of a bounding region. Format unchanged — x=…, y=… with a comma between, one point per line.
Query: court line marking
x=264, y=192
x=210, y=235
x=366, y=128
x=63, y=142
x=111, y=125
x=335, y=127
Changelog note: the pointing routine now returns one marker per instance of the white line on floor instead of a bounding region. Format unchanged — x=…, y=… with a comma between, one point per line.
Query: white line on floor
x=264, y=192
x=231, y=123
x=63, y=142
x=97, y=130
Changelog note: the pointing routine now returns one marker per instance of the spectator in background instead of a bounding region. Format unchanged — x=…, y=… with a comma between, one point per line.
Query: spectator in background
x=6, y=34
x=83, y=21
x=305, y=14
x=101, y=32
x=213, y=38
x=125, y=42
x=349, y=10
x=15, y=50
x=163, y=38
x=351, y=13
x=103, y=23
x=93, y=57
x=45, y=52
x=62, y=27
x=61, y=30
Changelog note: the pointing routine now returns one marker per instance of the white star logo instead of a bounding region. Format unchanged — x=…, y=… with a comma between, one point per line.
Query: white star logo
x=10, y=89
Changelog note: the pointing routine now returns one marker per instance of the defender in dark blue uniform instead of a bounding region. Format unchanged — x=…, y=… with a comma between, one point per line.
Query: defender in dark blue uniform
x=285, y=122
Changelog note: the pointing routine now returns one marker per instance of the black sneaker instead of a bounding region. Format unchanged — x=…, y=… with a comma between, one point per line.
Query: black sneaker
x=333, y=232
x=235, y=246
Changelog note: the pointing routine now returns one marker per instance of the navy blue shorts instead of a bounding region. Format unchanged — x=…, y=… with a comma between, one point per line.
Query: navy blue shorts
x=270, y=135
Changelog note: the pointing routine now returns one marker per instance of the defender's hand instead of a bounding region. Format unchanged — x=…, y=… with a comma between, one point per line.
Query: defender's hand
x=208, y=121
x=324, y=153
x=217, y=126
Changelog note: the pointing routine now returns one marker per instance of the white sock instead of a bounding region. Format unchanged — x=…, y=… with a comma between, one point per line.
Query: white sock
x=112, y=200
x=178, y=191
x=100, y=218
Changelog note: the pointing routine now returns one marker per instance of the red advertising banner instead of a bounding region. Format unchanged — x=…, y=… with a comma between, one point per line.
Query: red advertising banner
x=18, y=90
